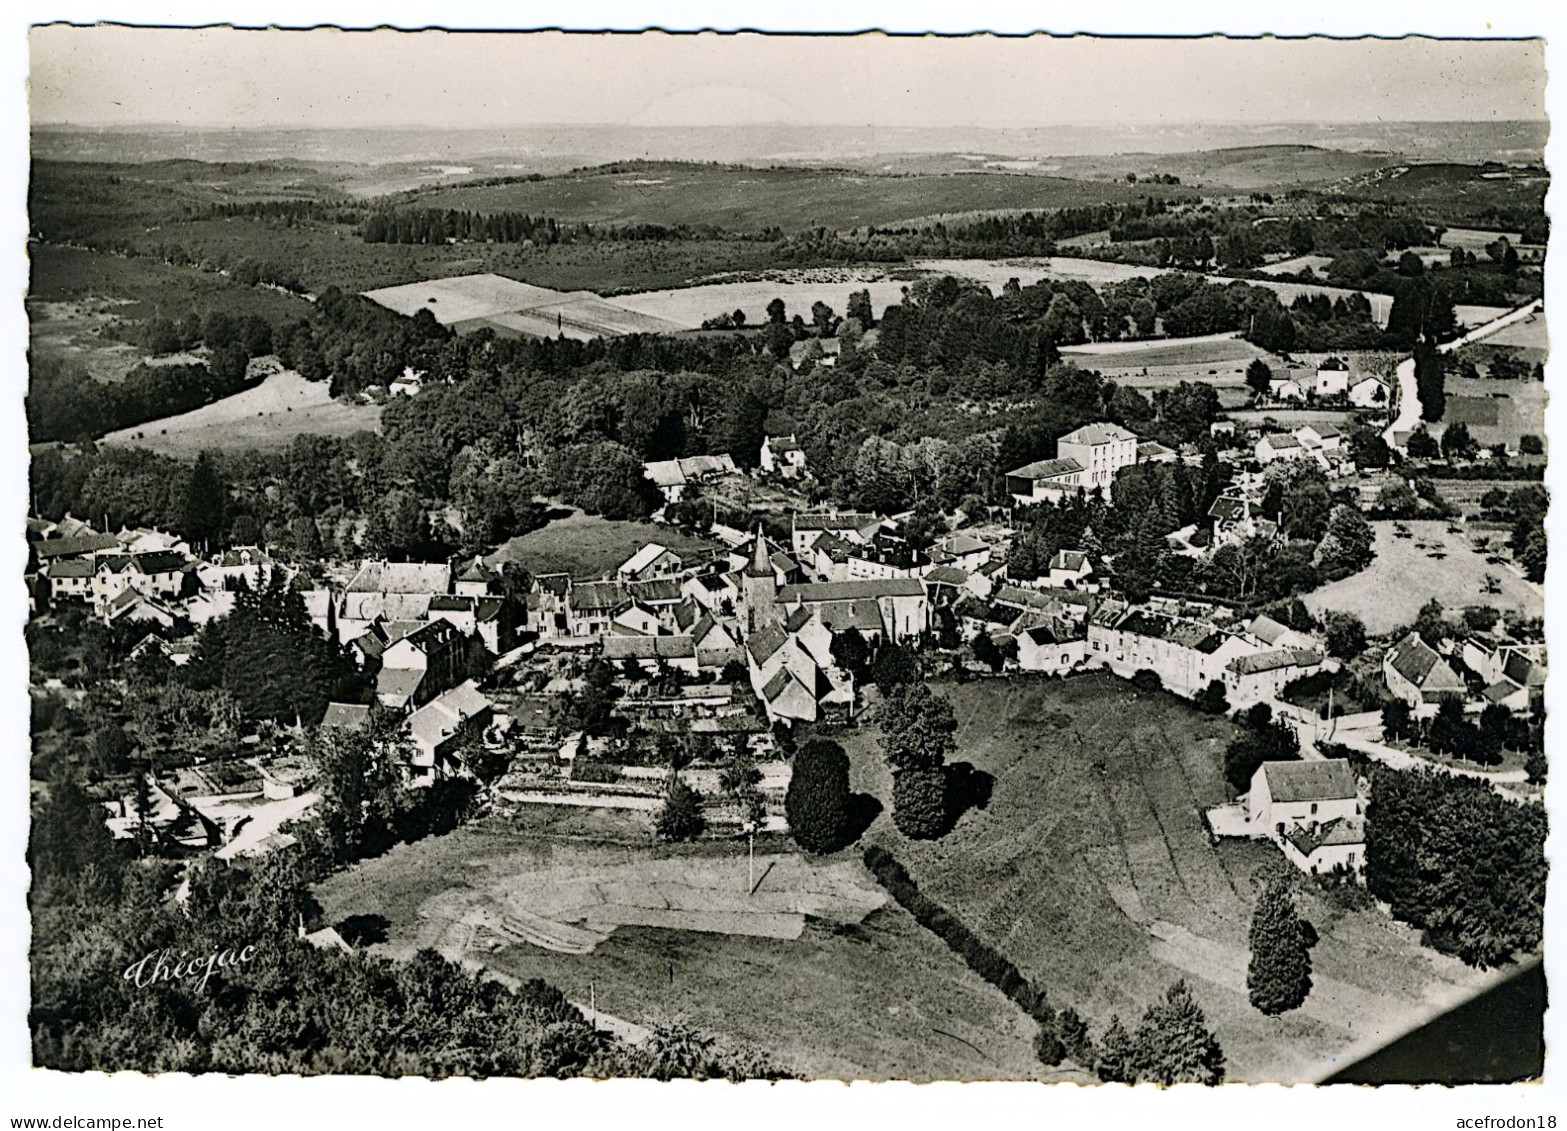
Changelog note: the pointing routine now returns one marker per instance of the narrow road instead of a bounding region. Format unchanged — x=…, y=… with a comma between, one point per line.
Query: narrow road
x=1408, y=393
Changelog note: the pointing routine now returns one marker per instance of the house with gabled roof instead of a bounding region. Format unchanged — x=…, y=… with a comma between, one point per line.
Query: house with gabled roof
x=1263, y=675
x=1069, y=569
x=1313, y=810
x=905, y=608
x=434, y=728
x=960, y=550
x=1417, y=674
x=1279, y=445
x=70, y=579
x=650, y=561
x=782, y=456
x=476, y=579
x=1187, y=653
x=1369, y=391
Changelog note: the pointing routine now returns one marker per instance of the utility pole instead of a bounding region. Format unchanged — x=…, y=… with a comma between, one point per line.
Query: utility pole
x=750, y=877
x=593, y=1007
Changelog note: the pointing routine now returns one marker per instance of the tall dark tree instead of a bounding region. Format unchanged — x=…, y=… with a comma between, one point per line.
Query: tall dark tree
x=817, y=802
x=206, y=503
x=1279, y=976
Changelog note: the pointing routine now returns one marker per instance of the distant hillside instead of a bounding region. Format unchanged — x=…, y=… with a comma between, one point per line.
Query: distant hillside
x=1250, y=168
x=751, y=199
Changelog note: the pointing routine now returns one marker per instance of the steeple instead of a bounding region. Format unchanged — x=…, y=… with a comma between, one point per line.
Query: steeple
x=761, y=563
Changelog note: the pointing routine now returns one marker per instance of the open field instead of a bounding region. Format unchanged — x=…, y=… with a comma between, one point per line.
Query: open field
x=1219, y=360
x=688, y=306
x=1091, y=869
x=75, y=332
x=857, y=993
x=751, y=199
x=266, y=416
x=588, y=546
x=1403, y=577
x=1528, y=334
x=1496, y=411
x=1317, y=263
x=472, y=301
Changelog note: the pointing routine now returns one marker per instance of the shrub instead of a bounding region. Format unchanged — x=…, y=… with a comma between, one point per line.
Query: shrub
x=1146, y=679
x=919, y=802
x=681, y=817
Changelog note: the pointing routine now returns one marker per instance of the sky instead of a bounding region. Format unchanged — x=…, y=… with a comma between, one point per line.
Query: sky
x=329, y=78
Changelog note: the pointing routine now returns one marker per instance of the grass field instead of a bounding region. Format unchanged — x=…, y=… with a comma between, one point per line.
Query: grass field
x=752, y=199
x=1496, y=411
x=1090, y=868
x=588, y=546
x=856, y=995
x=267, y=416
x=1403, y=577
x=76, y=332
x=1317, y=263
x=1219, y=360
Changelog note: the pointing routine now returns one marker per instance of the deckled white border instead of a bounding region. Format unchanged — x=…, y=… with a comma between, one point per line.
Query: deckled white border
x=219, y=1102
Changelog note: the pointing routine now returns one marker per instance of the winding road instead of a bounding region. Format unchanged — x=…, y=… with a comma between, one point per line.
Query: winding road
x=1408, y=393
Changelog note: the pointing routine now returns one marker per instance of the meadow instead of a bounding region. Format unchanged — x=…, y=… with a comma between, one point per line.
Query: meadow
x=1091, y=869
x=265, y=417
x=1388, y=594
x=863, y=992
x=589, y=546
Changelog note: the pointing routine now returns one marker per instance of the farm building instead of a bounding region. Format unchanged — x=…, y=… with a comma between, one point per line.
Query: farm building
x=1054, y=649
x=1262, y=675
x=1418, y=675
x=650, y=561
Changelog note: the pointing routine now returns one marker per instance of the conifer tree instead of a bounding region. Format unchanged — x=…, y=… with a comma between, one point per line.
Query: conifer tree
x=1279, y=977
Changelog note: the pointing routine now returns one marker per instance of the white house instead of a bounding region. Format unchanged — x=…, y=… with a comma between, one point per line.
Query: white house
x=1332, y=378
x=1311, y=810
x=1262, y=675
x=1319, y=435
x=1285, y=389
x=1051, y=649
x=782, y=456
x=406, y=385
x=651, y=560
x=1279, y=445
x=1070, y=569
x=1369, y=392
x=1102, y=449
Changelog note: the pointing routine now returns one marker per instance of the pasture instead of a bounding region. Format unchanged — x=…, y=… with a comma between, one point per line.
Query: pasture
x=1091, y=869
x=588, y=546
x=1388, y=594
x=855, y=989
x=264, y=417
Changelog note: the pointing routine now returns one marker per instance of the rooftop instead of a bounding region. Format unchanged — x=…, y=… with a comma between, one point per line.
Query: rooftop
x=1328, y=780
x=1099, y=433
